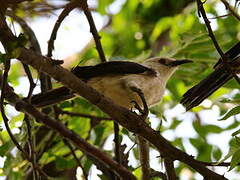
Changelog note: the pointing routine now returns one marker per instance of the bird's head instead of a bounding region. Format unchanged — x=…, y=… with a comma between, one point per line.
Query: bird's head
x=165, y=66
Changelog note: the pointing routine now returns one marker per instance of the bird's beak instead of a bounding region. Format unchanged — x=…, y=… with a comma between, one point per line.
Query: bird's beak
x=180, y=62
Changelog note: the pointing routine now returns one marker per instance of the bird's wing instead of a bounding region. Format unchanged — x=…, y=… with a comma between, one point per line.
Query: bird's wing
x=110, y=68
x=211, y=83
x=85, y=73
x=51, y=97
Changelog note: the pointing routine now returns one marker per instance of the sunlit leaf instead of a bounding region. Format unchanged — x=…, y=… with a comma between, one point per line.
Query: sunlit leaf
x=232, y=112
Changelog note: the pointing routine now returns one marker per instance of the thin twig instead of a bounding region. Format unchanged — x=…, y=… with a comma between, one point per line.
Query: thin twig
x=27, y=30
x=31, y=144
x=93, y=29
x=170, y=171
x=76, y=158
x=117, y=144
x=216, y=163
x=44, y=79
x=30, y=79
x=143, y=145
x=222, y=16
x=231, y=9
x=69, y=7
x=47, y=145
x=210, y=32
x=83, y=115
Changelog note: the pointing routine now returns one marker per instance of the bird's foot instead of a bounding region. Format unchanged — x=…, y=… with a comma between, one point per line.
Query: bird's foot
x=144, y=111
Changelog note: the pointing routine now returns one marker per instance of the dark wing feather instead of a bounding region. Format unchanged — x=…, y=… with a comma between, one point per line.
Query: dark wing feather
x=211, y=83
x=85, y=73
x=110, y=68
x=51, y=97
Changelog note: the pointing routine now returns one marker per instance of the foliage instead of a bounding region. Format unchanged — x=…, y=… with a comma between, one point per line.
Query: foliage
x=135, y=32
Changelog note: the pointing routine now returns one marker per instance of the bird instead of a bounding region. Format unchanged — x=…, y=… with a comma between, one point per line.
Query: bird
x=222, y=74
x=126, y=83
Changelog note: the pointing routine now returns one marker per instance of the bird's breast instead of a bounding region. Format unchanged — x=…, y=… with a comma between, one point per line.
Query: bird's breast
x=118, y=88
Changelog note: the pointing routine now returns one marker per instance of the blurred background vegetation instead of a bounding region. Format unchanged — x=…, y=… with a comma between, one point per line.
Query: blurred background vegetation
x=136, y=30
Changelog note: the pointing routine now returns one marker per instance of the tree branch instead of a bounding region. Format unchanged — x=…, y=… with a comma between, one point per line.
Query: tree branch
x=76, y=158
x=93, y=29
x=210, y=32
x=170, y=171
x=143, y=145
x=83, y=115
x=231, y=9
x=69, y=7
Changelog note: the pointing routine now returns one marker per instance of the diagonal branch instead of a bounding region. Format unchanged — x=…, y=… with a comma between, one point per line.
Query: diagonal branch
x=60, y=111
x=231, y=9
x=69, y=7
x=210, y=32
x=68, y=144
x=93, y=29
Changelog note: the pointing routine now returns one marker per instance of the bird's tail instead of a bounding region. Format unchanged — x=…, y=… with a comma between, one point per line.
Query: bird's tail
x=51, y=97
x=205, y=88
x=211, y=83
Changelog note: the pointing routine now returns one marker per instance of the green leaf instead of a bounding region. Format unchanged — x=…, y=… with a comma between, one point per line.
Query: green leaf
x=235, y=159
x=175, y=123
x=212, y=129
x=217, y=153
x=5, y=148
x=236, y=133
x=204, y=149
x=232, y=112
x=62, y=163
x=234, y=147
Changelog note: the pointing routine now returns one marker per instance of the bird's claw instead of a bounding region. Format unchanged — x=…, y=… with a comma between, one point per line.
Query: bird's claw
x=144, y=111
x=136, y=106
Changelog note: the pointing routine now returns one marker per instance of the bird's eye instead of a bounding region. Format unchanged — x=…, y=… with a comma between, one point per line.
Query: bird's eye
x=162, y=61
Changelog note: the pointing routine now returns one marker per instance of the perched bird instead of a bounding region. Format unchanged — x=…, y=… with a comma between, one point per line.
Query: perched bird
x=223, y=73
x=122, y=81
